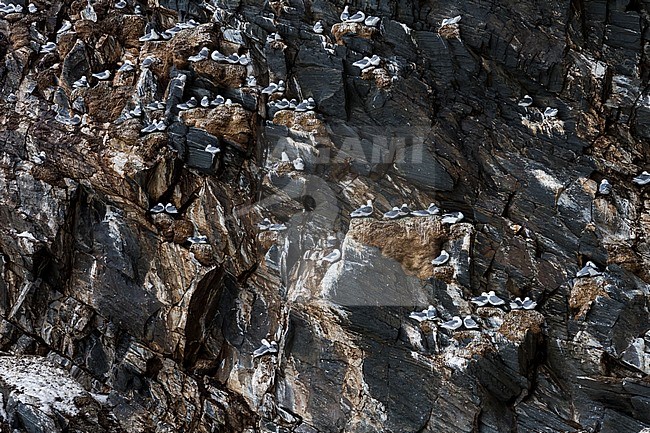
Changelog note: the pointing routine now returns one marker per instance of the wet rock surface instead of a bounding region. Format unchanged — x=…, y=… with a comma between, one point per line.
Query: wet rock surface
x=117, y=315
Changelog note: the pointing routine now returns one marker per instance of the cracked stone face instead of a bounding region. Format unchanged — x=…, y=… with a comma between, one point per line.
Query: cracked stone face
x=173, y=264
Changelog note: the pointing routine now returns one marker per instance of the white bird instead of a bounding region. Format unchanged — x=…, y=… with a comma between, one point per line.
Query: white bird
x=516, y=304
x=277, y=227
x=493, y=299
x=217, y=56
x=120, y=4
x=266, y=348
x=202, y=55
x=429, y=313
x=529, y=304
x=32, y=8
x=441, y=259
x=363, y=64
x=359, y=17
x=299, y=164
x=589, y=270
x=103, y=75
x=171, y=209
x=219, y=100
x=127, y=66
x=88, y=13
x=470, y=323
x=198, y=239
x=191, y=103
x=151, y=36
x=137, y=10
x=452, y=217
x=67, y=25
x=318, y=28
x=333, y=256
x=452, y=324
x=264, y=224
x=48, y=48
x=450, y=21
x=526, y=101
x=157, y=208
x=392, y=214
x=404, y=210
x=149, y=128
x=251, y=81
x=345, y=14
x=148, y=61
x=642, y=179
x=605, y=187
x=372, y=21
x=81, y=82
x=481, y=301
x=213, y=150
x=205, y=102
x=550, y=112
x=363, y=211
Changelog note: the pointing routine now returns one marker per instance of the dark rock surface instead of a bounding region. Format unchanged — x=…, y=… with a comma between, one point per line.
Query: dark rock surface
x=111, y=320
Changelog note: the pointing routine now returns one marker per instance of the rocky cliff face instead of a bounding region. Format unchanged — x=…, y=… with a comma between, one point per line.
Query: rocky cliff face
x=112, y=320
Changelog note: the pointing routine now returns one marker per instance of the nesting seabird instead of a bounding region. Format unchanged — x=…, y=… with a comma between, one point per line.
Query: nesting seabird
x=529, y=304
x=333, y=256
x=526, y=101
x=264, y=224
x=202, y=55
x=81, y=82
x=218, y=100
x=32, y=8
x=103, y=75
x=429, y=313
x=149, y=128
x=318, y=28
x=404, y=210
x=452, y=324
x=137, y=10
x=218, y=56
x=266, y=348
x=481, y=301
x=642, y=179
x=363, y=211
x=493, y=299
x=302, y=106
x=470, y=323
x=192, y=103
x=441, y=259
x=151, y=36
x=127, y=66
x=372, y=21
x=148, y=61
x=298, y=164
x=198, y=239
x=450, y=21
x=516, y=304
x=452, y=217
x=345, y=14
x=136, y=112
x=67, y=25
x=213, y=150
x=233, y=58
x=277, y=227
x=359, y=17
x=120, y=4
x=48, y=48
x=392, y=214
x=251, y=81
x=605, y=187
x=171, y=209
x=273, y=88
x=550, y=112
x=589, y=270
